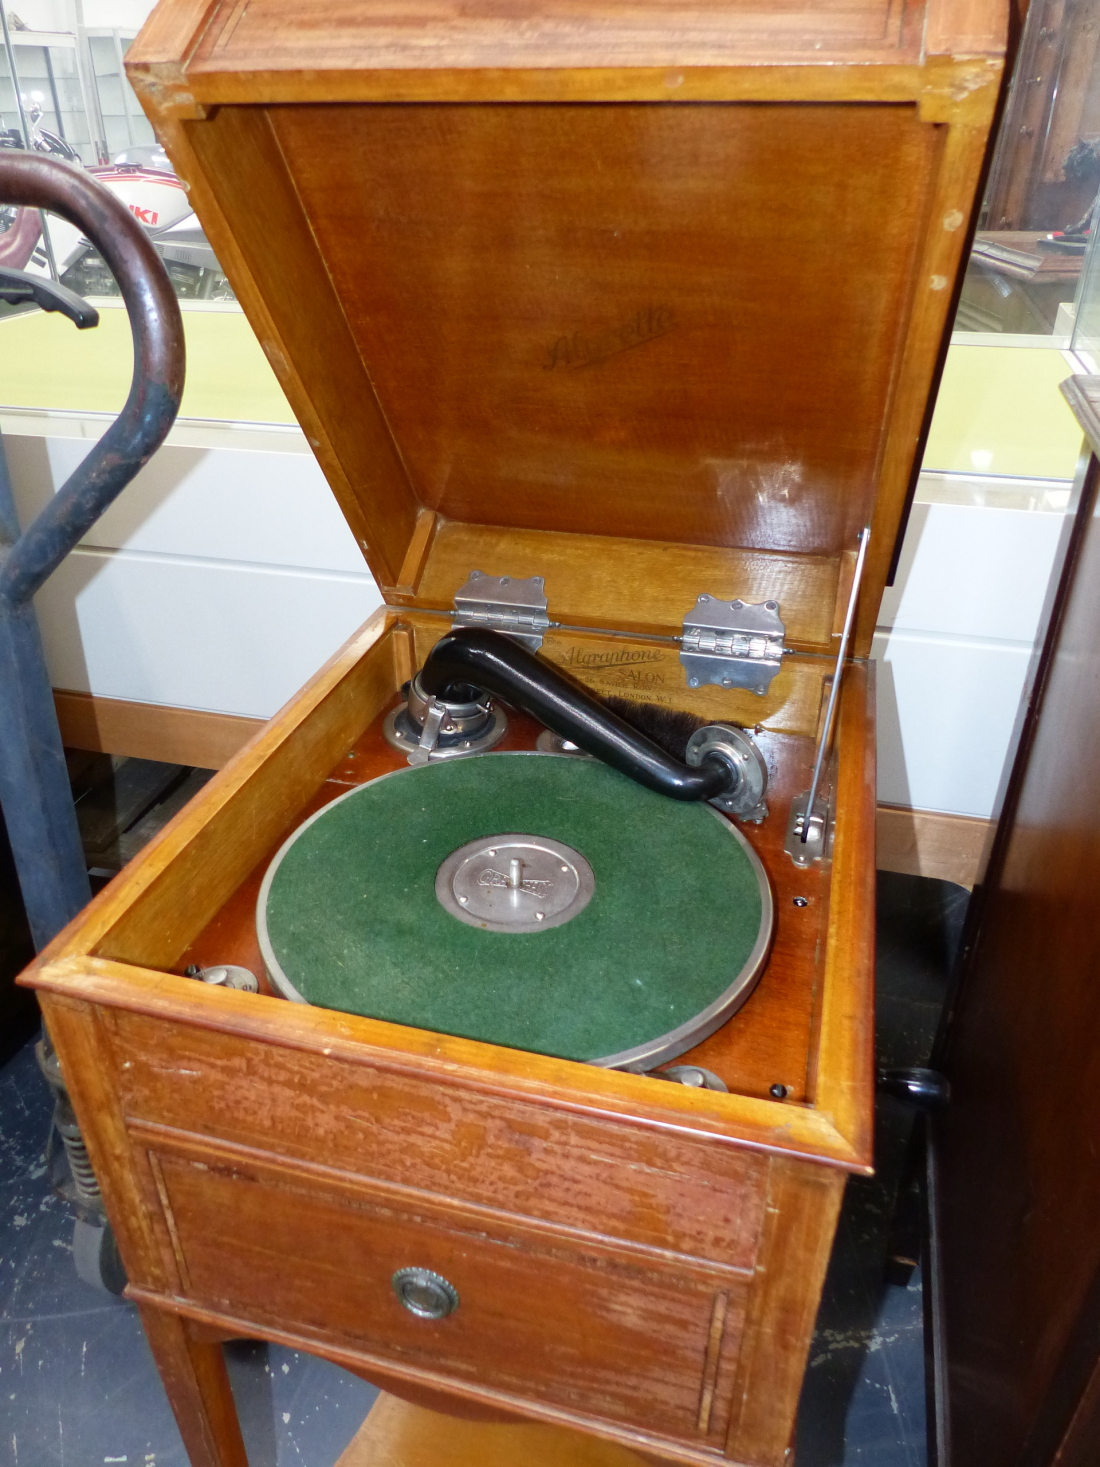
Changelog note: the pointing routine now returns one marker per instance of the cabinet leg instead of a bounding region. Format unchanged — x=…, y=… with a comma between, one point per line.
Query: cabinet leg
x=197, y=1384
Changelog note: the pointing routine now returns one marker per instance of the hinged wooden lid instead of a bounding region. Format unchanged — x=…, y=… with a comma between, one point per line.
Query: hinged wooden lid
x=616, y=295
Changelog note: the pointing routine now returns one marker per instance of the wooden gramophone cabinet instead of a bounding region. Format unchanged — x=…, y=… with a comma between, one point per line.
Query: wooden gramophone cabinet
x=647, y=300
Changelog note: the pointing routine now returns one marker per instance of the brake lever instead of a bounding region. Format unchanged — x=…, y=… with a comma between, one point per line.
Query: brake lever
x=18, y=288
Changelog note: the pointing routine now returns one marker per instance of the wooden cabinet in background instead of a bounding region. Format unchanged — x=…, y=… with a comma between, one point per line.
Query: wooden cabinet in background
x=1016, y=1154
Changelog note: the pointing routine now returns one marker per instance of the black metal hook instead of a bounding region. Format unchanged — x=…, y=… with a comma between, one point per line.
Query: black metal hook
x=19, y=287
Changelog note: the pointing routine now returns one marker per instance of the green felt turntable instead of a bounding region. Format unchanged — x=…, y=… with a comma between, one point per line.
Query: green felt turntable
x=539, y=901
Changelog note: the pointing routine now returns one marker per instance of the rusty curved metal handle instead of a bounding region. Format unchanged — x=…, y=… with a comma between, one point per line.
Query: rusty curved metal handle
x=43, y=183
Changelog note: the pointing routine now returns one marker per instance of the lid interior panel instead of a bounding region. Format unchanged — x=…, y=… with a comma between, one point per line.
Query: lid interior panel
x=654, y=321
x=626, y=323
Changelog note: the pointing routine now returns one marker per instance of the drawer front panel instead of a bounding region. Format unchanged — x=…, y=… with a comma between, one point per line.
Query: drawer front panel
x=695, y=1195
x=595, y=1330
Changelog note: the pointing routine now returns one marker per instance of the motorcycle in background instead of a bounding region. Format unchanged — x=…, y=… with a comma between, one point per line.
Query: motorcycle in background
x=146, y=183
x=144, y=180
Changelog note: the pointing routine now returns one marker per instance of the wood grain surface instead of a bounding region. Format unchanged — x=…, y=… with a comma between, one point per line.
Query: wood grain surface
x=192, y=896
x=156, y=731
x=544, y=358
x=567, y=1322
x=403, y=1435
x=213, y=1221
x=585, y=576
x=932, y=843
x=275, y=36
x=914, y=842
x=803, y=1204
x=196, y=1382
x=525, y=347
x=308, y=1134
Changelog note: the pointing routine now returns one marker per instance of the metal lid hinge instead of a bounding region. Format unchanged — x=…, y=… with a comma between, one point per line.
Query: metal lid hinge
x=732, y=644
x=504, y=604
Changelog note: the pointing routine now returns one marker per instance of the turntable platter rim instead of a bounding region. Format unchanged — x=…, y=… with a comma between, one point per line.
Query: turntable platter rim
x=641, y=1057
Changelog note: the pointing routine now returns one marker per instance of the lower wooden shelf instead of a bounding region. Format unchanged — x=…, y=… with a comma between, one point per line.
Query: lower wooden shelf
x=399, y=1434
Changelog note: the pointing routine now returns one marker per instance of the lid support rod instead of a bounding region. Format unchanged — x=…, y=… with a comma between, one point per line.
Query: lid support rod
x=825, y=742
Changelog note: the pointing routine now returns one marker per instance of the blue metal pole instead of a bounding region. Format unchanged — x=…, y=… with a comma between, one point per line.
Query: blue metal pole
x=34, y=786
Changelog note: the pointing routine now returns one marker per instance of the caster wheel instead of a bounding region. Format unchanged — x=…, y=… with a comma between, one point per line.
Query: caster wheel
x=96, y=1256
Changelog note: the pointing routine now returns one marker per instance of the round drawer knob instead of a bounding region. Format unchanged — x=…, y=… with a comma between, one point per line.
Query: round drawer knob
x=424, y=1293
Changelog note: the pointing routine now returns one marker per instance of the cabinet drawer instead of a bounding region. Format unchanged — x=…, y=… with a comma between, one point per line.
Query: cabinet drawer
x=601, y=1331
x=690, y=1194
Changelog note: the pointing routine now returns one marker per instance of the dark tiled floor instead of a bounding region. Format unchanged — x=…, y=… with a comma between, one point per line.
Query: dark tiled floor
x=863, y=1400
x=77, y=1383
x=78, y=1387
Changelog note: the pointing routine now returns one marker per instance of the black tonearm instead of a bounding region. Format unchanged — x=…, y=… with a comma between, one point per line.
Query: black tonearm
x=723, y=765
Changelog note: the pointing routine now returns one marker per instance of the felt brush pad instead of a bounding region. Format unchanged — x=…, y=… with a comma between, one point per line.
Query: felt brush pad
x=353, y=921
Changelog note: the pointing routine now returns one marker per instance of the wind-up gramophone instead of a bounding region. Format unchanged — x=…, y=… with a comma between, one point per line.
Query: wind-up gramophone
x=613, y=330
